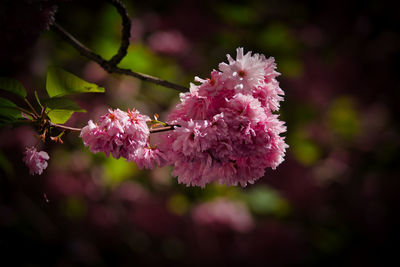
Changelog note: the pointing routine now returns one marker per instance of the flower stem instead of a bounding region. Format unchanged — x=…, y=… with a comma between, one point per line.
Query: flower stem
x=30, y=105
x=26, y=112
x=65, y=127
x=164, y=129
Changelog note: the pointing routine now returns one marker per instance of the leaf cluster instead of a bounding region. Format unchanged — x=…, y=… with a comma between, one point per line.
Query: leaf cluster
x=58, y=106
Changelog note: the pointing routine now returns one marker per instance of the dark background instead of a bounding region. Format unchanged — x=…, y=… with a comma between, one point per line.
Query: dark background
x=332, y=202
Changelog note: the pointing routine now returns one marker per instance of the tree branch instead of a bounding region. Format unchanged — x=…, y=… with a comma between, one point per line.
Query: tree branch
x=65, y=127
x=126, y=32
x=111, y=65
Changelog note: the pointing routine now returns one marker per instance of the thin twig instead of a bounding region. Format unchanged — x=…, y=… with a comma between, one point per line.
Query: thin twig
x=82, y=49
x=125, y=34
x=31, y=107
x=26, y=112
x=163, y=129
x=65, y=127
x=111, y=65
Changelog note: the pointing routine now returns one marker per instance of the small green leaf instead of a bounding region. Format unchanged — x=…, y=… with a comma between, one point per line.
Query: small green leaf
x=9, y=110
x=60, y=83
x=13, y=86
x=37, y=99
x=60, y=109
x=9, y=113
x=60, y=116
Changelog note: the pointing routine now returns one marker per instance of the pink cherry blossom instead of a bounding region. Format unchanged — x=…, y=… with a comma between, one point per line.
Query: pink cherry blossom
x=119, y=133
x=36, y=161
x=228, y=132
x=148, y=157
x=244, y=73
x=192, y=106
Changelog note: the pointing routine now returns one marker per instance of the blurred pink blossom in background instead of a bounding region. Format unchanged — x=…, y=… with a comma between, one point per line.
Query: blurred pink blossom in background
x=223, y=213
x=168, y=42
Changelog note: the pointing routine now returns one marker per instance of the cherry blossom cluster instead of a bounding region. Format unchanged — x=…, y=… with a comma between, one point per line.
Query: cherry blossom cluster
x=228, y=131
x=122, y=134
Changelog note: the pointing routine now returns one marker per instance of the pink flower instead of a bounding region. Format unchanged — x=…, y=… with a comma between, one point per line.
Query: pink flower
x=244, y=73
x=228, y=133
x=119, y=133
x=222, y=213
x=255, y=75
x=36, y=161
x=147, y=157
x=113, y=122
x=246, y=106
x=192, y=106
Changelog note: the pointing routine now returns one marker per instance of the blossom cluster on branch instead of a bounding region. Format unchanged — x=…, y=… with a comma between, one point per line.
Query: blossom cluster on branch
x=224, y=130
x=228, y=132
x=122, y=134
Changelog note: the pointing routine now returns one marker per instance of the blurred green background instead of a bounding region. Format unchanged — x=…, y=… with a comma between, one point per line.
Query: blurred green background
x=332, y=202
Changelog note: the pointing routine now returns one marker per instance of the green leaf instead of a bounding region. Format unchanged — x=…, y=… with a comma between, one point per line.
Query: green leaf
x=37, y=99
x=9, y=113
x=60, y=116
x=61, y=83
x=9, y=110
x=60, y=109
x=13, y=86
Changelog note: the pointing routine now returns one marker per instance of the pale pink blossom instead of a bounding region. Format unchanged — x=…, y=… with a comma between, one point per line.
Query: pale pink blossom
x=244, y=73
x=36, y=161
x=119, y=133
x=113, y=122
x=212, y=86
x=247, y=106
x=192, y=106
x=148, y=157
x=228, y=133
x=253, y=74
x=225, y=214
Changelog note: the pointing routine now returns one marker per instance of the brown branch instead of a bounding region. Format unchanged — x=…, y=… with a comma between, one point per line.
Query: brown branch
x=156, y=130
x=164, y=129
x=83, y=50
x=65, y=127
x=111, y=65
x=25, y=111
x=31, y=107
x=126, y=32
